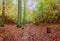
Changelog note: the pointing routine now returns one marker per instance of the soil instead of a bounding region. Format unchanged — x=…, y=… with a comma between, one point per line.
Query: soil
x=30, y=32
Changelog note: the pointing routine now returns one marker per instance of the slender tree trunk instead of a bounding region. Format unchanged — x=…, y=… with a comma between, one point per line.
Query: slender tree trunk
x=24, y=19
x=3, y=8
x=19, y=13
x=42, y=8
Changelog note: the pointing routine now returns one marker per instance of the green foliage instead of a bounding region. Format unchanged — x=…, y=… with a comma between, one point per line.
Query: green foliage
x=47, y=11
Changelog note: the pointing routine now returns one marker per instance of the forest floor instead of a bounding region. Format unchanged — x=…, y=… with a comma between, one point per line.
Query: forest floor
x=30, y=32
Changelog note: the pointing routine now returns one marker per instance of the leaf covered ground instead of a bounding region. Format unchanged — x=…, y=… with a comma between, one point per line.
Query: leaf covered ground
x=30, y=32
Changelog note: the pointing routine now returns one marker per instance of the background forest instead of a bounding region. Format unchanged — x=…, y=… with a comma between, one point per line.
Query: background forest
x=40, y=11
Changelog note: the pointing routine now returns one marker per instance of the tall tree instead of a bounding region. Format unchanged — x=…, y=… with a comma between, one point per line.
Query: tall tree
x=24, y=19
x=19, y=13
x=2, y=24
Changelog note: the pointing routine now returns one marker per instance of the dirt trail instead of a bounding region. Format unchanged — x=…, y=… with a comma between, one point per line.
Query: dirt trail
x=30, y=32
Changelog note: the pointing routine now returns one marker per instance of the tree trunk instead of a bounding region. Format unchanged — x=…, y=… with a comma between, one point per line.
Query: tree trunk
x=24, y=19
x=19, y=13
x=3, y=8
